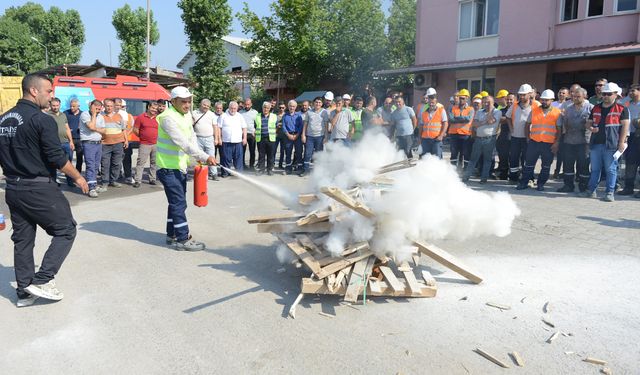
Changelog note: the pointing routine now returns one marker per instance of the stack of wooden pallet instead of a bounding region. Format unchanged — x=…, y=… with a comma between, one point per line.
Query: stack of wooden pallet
x=356, y=271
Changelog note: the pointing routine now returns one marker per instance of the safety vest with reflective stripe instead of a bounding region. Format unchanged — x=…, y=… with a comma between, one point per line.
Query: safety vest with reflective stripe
x=543, y=126
x=612, y=124
x=431, y=127
x=357, y=116
x=271, y=124
x=168, y=154
x=461, y=128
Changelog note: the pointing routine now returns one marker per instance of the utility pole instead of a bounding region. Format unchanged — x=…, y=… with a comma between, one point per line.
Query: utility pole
x=46, y=51
x=148, y=38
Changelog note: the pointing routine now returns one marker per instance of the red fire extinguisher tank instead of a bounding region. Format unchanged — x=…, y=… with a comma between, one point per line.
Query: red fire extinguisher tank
x=200, y=180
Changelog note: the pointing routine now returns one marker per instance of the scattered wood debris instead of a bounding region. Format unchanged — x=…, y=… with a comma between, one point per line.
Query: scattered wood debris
x=292, y=309
x=606, y=371
x=517, y=359
x=548, y=322
x=356, y=272
x=553, y=337
x=546, y=308
x=327, y=315
x=491, y=358
x=498, y=306
x=595, y=361
x=522, y=300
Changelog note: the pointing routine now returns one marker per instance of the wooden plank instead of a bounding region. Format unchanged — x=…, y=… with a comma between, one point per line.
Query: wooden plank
x=307, y=199
x=292, y=227
x=356, y=281
x=341, y=275
x=491, y=358
x=307, y=242
x=342, y=197
x=355, y=248
x=292, y=309
x=391, y=279
x=416, y=259
x=595, y=361
x=328, y=260
x=517, y=359
x=374, y=286
x=313, y=217
x=448, y=261
x=318, y=287
x=337, y=266
x=428, y=278
x=271, y=218
x=299, y=250
x=412, y=281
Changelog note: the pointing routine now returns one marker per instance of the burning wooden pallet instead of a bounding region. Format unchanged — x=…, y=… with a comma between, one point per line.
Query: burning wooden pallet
x=356, y=271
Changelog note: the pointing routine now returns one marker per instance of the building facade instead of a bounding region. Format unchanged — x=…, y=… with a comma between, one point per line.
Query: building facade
x=495, y=44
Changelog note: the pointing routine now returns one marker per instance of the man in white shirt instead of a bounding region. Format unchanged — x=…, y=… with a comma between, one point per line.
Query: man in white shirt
x=204, y=124
x=233, y=129
x=517, y=117
x=249, y=114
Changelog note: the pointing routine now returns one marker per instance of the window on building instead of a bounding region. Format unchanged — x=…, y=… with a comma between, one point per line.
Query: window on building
x=475, y=85
x=569, y=10
x=595, y=8
x=479, y=18
x=626, y=5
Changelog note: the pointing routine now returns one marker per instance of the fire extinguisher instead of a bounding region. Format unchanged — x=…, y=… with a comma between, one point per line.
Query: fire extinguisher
x=200, y=180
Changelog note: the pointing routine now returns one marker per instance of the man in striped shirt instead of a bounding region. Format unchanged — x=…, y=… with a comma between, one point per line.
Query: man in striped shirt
x=114, y=142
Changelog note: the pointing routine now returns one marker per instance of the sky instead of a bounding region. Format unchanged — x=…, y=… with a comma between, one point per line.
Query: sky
x=100, y=36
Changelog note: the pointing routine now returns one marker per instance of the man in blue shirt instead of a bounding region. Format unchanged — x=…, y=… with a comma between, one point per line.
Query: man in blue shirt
x=292, y=125
x=73, y=119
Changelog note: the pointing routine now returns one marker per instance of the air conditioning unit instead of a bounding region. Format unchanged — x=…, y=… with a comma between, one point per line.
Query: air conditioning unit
x=423, y=81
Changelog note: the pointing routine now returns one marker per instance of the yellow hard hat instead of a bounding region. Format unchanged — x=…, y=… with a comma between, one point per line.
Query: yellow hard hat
x=502, y=93
x=477, y=96
x=484, y=94
x=463, y=92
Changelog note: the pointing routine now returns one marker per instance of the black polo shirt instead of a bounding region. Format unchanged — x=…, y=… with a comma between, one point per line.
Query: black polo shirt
x=29, y=142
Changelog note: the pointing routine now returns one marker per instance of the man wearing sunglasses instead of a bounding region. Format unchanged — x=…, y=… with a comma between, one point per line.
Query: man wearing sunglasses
x=609, y=125
x=597, y=98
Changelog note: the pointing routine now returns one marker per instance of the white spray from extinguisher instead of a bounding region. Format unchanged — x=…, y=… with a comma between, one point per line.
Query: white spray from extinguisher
x=282, y=195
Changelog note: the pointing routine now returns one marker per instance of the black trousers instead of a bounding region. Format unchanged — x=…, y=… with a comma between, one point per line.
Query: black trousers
x=576, y=156
x=40, y=204
x=126, y=162
x=266, y=150
x=251, y=145
x=502, y=147
x=79, y=153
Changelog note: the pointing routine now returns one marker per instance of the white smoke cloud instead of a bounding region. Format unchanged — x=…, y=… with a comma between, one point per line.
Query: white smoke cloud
x=426, y=202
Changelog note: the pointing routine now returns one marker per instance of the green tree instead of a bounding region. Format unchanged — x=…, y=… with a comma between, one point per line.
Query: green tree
x=402, y=36
x=205, y=23
x=293, y=42
x=62, y=33
x=131, y=30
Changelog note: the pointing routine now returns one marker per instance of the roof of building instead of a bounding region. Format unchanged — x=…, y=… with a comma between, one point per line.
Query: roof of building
x=236, y=41
x=159, y=76
x=525, y=58
x=309, y=95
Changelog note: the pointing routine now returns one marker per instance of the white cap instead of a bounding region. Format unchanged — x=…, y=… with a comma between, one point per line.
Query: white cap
x=124, y=102
x=328, y=95
x=611, y=87
x=180, y=92
x=346, y=97
x=477, y=100
x=430, y=91
x=525, y=89
x=547, y=94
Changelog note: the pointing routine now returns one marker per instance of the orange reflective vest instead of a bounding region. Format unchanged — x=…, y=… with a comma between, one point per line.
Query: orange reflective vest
x=132, y=136
x=431, y=127
x=543, y=126
x=461, y=128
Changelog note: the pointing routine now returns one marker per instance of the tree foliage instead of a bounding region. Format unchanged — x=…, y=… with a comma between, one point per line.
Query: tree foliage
x=402, y=35
x=205, y=23
x=61, y=31
x=131, y=30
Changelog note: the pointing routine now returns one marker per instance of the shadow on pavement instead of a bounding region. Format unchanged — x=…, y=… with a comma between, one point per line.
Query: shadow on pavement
x=125, y=231
x=258, y=264
x=7, y=275
x=621, y=223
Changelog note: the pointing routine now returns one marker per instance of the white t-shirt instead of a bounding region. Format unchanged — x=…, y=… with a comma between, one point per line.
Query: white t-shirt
x=519, y=120
x=204, y=127
x=250, y=118
x=231, y=127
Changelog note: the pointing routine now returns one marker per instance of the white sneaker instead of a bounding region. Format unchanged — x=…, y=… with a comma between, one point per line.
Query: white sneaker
x=189, y=245
x=24, y=302
x=47, y=291
x=101, y=189
x=93, y=193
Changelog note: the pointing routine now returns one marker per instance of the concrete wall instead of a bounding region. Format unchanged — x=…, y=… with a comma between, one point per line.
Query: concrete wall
x=525, y=26
x=510, y=77
x=597, y=31
x=437, y=26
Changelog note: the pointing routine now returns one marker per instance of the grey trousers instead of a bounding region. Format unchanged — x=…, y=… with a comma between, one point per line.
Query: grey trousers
x=112, y=162
x=146, y=153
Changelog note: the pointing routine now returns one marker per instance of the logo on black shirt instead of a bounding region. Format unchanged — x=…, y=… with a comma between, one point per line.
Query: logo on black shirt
x=9, y=124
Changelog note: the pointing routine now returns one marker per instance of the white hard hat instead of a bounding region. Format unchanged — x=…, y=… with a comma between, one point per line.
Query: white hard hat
x=477, y=100
x=525, y=89
x=346, y=97
x=328, y=95
x=180, y=92
x=124, y=102
x=547, y=94
x=612, y=87
x=430, y=91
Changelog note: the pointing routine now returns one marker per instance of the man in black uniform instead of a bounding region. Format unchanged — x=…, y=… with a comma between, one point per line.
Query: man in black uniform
x=29, y=145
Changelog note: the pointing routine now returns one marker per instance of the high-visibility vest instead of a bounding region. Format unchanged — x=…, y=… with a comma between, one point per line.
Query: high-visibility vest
x=132, y=136
x=461, y=128
x=168, y=154
x=431, y=127
x=271, y=124
x=422, y=108
x=612, y=124
x=543, y=126
x=357, y=116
